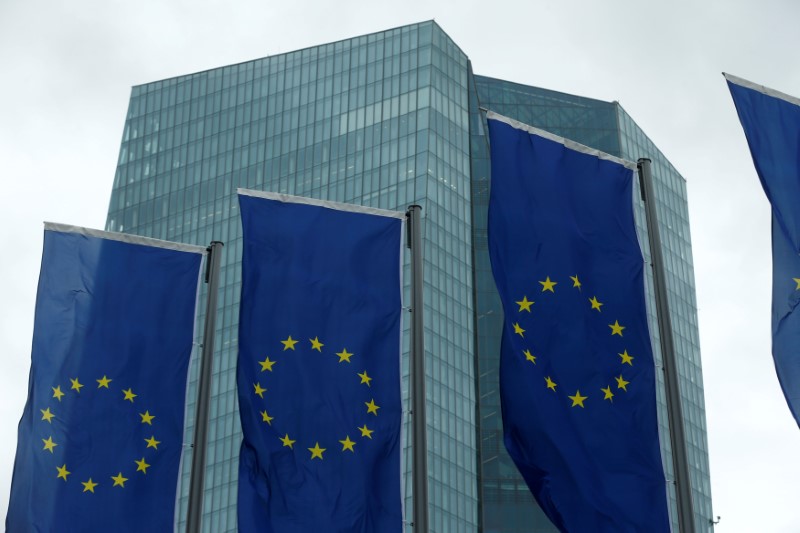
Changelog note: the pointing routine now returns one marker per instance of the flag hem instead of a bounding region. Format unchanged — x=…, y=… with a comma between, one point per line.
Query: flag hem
x=288, y=198
x=125, y=237
x=568, y=143
x=403, y=412
x=195, y=351
x=650, y=311
x=762, y=89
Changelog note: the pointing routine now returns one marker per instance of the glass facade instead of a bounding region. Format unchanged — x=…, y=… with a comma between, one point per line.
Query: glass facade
x=385, y=120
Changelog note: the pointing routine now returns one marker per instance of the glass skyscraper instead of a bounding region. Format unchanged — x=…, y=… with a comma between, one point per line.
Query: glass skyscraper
x=385, y=120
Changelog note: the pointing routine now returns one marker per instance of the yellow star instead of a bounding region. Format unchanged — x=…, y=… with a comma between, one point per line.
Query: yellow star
x=57, y=394
x=316, y=451
x=289, y=343
x=76, y=385
x=607, y=394
x=266, y=364
x=103, y=382
x=142, y=466
x=47, y=415
x=49, y=445
x=529, y=356
x=119, y=481
x=577, y=399
x=316, y=345
x=371, y=407
x=344, y=355
x=287, y=441
x=626, y=359
x=797, y=280
x=88, y=486
x=259, y=390
x=348, y=444
x=266, y=418
x=129, y=395
x=621, y=383
x=550, y=383
x=366, y=432
x=152, y=442
x=525, y=304
x=616, y=329
x=518, y=329
x=595, y=303
x=365, y=378
x=63, y=472
x=147, y=418
x=575, y=282
x=548, y=285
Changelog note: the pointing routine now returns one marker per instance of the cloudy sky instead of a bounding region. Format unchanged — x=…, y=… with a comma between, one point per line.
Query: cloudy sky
x=67, y=69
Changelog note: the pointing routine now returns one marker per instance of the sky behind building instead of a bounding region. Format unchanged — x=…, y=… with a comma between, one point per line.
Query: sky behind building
x=68, y=70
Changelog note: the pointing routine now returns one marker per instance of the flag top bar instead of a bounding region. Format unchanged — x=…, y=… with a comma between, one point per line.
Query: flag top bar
x=288, y=198
x=760, y=88
x=125, y=237
x=572, y=145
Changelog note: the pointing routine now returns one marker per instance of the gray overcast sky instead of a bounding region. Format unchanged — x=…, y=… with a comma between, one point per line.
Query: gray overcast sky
x=67, y=69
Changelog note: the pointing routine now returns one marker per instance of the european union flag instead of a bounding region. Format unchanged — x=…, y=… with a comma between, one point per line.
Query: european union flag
x=771, y=122
x=319, y=362
x=101, y=435
x=576, y=369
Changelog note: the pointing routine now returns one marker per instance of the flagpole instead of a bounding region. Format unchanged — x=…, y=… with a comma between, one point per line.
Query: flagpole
x=419, y=448
x=195, y=511
x=683, y=483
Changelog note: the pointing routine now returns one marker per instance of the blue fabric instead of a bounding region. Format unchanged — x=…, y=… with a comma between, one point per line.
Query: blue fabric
x=569, y=271
x=772, y=128
x=110, y=317
x=319, y=358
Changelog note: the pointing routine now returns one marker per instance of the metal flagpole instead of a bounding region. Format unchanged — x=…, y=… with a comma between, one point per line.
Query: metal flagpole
x=420, y=448
x=683, y=483
x=195, y=510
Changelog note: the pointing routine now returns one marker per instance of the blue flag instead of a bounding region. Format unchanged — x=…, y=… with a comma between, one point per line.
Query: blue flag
x=101, y=435
x=771, y=122
x=319, y=367
x=576, y=369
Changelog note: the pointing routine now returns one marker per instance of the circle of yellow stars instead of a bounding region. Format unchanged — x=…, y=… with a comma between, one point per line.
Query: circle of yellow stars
x=50, y=445
x=610, y=390
x=317, y=451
